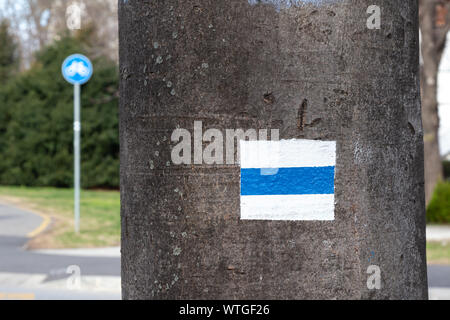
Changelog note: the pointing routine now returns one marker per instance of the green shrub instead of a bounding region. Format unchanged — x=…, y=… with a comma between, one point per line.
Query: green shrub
x=9, y=53
x=438, y=210
x=36, y=123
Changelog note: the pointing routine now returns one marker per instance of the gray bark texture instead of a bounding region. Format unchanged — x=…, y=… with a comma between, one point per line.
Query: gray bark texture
x=314, y=71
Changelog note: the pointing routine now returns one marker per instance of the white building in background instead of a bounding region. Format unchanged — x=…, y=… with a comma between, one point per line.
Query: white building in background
x=444, y=101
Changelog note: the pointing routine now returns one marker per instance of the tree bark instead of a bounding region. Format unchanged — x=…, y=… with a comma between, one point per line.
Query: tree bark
x=235, y=64
x=434, y=35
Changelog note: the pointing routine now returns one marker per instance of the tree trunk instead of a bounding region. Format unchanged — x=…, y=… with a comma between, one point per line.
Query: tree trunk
x=434, y=34
x=314, y=71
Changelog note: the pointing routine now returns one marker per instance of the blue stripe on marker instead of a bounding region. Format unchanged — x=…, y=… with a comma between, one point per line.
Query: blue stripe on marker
x=305, y=180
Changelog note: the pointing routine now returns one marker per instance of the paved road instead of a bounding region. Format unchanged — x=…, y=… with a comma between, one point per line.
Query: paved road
x=439, y=276
x=19, y=266
x=15, y=224
x=14, y=259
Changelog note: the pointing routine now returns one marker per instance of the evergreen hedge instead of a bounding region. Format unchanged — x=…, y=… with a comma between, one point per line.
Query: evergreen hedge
x=36, y=123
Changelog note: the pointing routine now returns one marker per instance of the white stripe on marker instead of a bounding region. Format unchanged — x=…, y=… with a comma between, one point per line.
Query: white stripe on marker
x=288, y=207
x=287, y=154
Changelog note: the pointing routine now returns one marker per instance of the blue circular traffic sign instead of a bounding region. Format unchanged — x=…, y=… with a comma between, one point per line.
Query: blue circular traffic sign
x=77, y=69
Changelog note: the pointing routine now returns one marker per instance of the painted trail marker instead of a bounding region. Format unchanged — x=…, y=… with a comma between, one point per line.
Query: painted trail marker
x=287, y=180
x=77, y=70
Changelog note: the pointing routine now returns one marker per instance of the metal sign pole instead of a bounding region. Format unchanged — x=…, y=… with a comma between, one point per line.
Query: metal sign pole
x=76, y=133
x=77, y=70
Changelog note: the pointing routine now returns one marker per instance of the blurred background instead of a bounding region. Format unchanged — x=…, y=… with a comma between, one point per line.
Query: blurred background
x=41, y=257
